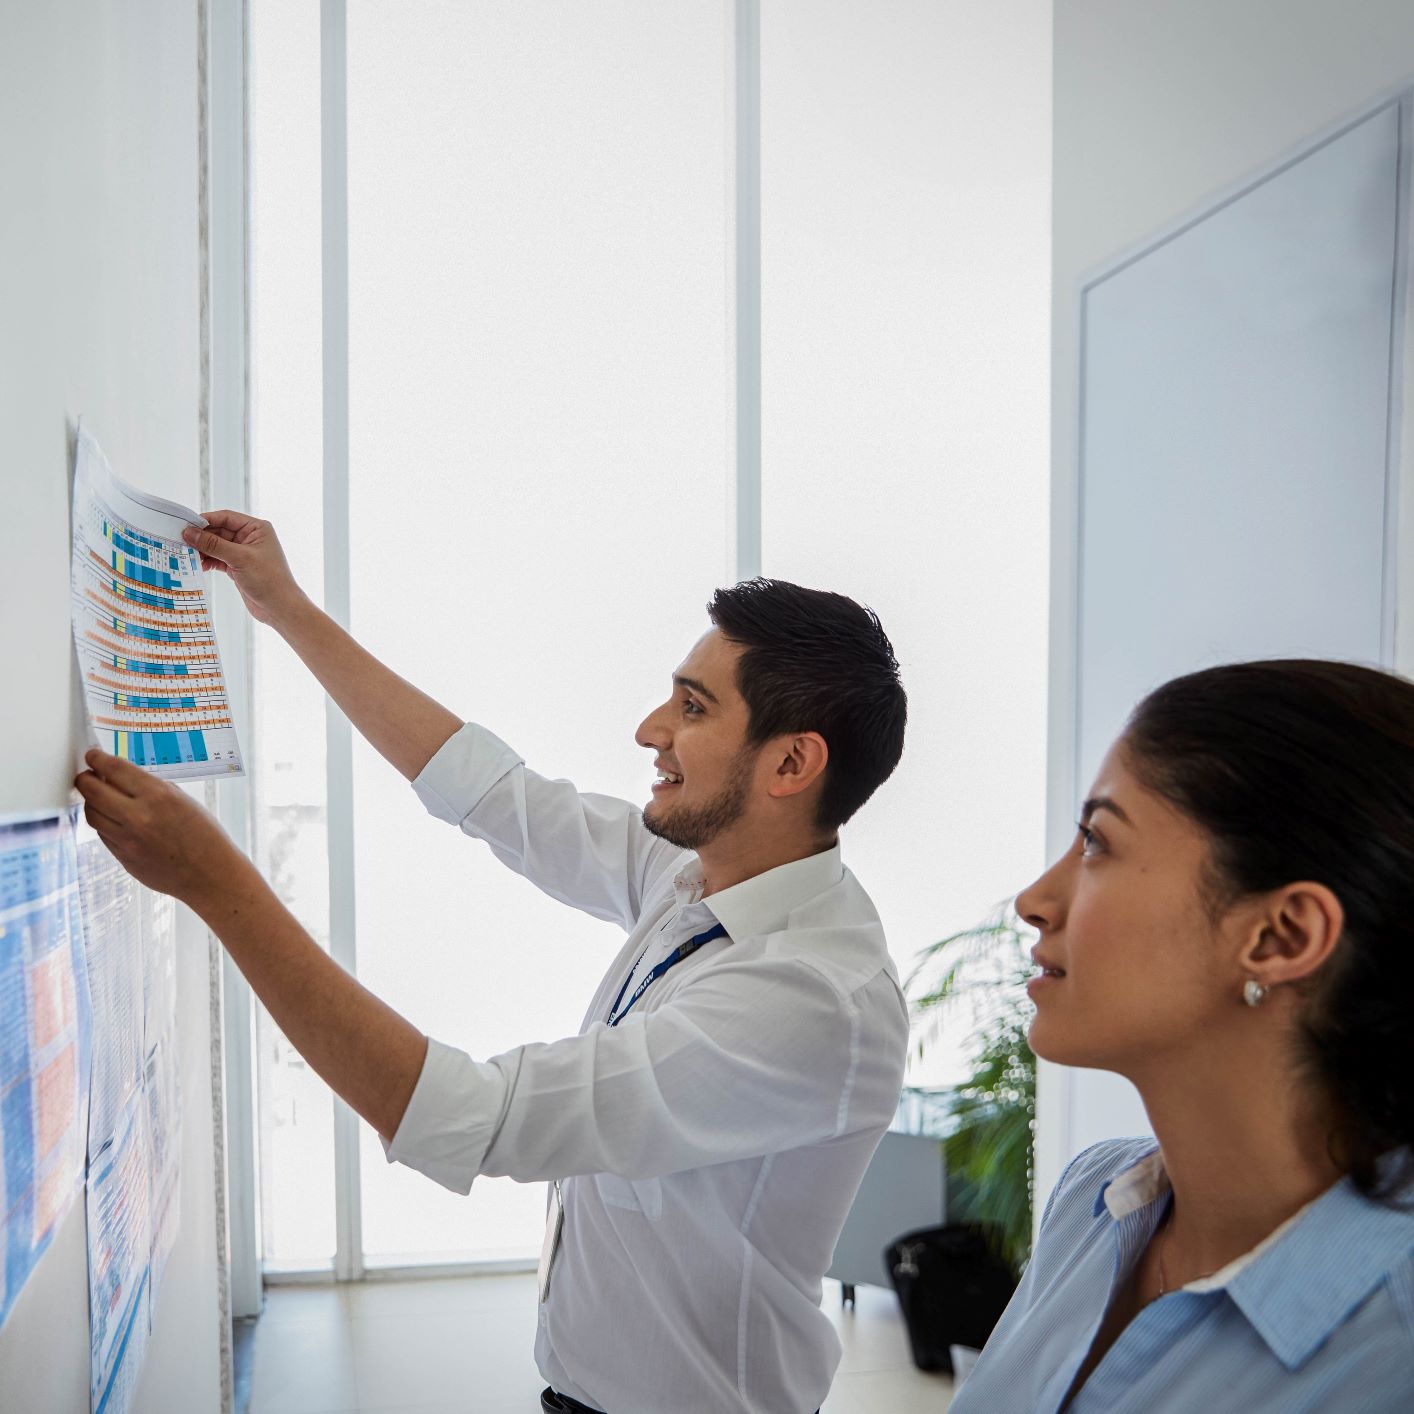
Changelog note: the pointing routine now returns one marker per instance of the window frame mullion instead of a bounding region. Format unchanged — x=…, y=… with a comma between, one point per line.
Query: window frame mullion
x=334, y=221
x=744, y=262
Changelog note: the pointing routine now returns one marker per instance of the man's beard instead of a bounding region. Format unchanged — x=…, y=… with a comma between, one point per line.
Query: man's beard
x=693, y=826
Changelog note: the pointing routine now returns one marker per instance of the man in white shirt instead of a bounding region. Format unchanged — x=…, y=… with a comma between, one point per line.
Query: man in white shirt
x=707, y=1130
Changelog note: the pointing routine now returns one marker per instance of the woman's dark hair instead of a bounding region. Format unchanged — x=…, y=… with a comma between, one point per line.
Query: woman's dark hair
x=818, y=662
x=1304, y=770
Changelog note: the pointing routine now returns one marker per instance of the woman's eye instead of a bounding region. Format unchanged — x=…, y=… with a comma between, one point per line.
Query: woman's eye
x=1090, y=843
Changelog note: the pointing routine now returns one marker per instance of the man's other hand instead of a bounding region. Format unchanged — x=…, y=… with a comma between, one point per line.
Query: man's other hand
x=157, y=832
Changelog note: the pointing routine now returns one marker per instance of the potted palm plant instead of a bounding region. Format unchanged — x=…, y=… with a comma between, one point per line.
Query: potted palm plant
x=978, y=977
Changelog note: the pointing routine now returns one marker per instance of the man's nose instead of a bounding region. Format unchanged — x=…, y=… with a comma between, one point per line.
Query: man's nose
x=651, y=734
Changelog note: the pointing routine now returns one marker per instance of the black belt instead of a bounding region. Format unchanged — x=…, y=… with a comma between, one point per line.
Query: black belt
x=552, y=1403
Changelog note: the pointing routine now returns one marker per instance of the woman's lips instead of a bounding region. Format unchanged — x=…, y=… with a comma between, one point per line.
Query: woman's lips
x=1050, y=973
x=1047, y=977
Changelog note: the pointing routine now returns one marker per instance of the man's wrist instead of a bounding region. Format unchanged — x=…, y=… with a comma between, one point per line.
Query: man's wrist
x=225, y=890
x=295, y=616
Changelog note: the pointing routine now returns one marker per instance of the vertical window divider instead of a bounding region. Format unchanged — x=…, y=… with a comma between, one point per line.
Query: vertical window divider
x=1399, y=444
x=333, y=109
x=229, y=160
x=745, y=231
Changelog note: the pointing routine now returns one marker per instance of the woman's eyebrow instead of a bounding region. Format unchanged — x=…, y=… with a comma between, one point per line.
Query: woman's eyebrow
x=1103, y=802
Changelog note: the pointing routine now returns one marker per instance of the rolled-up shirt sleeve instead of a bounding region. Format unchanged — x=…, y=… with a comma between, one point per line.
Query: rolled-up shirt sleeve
x=449, y=1122
x=464, y=768
x=590, y=851
x=747, y=1060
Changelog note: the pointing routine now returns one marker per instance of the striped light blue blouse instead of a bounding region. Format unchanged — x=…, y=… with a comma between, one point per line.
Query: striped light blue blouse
x=1320, y=1317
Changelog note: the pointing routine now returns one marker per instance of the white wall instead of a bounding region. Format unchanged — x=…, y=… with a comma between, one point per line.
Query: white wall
x=905, y=237
x=99, y=288
x=1159, y=108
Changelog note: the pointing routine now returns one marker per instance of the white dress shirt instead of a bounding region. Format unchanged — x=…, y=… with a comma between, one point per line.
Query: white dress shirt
x=712, y=1142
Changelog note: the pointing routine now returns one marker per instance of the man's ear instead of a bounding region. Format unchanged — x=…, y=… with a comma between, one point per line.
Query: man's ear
x=799, y=761
x=1294, y=934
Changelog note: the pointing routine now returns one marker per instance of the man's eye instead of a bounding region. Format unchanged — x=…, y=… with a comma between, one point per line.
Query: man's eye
x=691, y=708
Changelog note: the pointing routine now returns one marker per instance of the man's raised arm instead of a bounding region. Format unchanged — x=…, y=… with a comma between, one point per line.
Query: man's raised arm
x=398, y=720
x=589, y=851
x=361, y=1047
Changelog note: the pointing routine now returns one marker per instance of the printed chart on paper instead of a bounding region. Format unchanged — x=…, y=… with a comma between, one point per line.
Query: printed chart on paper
x=153, y=686
x=134, y=1124
x=44, y=1044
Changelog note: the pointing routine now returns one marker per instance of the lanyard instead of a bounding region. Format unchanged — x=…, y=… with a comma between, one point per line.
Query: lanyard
x=673, y=958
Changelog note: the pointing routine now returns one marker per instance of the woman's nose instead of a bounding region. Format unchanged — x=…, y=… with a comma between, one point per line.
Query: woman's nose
x=1040, y=903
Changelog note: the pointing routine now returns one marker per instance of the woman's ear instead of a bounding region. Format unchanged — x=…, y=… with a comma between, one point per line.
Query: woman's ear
x=1296, y=932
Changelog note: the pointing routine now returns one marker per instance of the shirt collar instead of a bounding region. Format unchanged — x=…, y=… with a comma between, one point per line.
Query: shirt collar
x=1301, y=1282
x=1335, y=1253
x=764, y=902
x=1139, y=1185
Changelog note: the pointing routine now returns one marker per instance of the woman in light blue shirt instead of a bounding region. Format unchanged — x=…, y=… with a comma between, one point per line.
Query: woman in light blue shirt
x=1233, y=930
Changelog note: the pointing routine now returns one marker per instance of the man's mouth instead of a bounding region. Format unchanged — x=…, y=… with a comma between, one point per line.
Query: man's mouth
x=667, y=780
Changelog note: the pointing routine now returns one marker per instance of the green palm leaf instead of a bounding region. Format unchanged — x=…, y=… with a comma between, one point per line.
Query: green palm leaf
x=981, y=974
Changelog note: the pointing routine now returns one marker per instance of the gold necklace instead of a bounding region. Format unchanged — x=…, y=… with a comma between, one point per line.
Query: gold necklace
x=1163, y=1239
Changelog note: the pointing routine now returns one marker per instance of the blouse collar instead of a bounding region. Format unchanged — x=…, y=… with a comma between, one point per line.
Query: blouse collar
x=1300, y=1282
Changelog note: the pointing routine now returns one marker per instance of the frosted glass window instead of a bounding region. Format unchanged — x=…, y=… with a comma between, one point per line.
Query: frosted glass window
x=295, y=1109
x=905, y=297
x=538, y=429
x=540, y=465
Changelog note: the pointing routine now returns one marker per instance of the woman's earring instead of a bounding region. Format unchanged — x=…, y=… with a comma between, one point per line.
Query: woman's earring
x=1253, y=992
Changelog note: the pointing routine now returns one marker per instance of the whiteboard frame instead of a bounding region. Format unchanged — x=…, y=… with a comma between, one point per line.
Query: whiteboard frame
x=1055, y=1087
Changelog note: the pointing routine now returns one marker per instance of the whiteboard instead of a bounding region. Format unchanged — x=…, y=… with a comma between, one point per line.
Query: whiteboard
x=1235, y=458
x=1236, y=461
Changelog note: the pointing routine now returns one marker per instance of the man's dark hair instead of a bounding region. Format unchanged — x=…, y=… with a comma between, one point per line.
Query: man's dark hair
x=813, y=661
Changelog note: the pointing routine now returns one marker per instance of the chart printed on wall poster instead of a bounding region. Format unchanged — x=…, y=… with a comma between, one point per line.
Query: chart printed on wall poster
x=44, y=1043
x=134, y=1122
x=154, y=691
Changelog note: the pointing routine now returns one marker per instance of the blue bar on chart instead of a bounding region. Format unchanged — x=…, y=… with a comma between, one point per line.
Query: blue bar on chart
x=127, y=699
x=120, y=542
x=133, y=665
x=160, y=748
x=128, y=533
x=145, y=574
x=152, y=635
x=141, y=596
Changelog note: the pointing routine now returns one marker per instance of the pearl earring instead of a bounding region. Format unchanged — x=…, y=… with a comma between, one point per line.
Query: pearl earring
x=1253, y=992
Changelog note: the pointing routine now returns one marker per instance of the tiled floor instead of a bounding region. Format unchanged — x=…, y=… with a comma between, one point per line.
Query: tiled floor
x=464, y=1346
